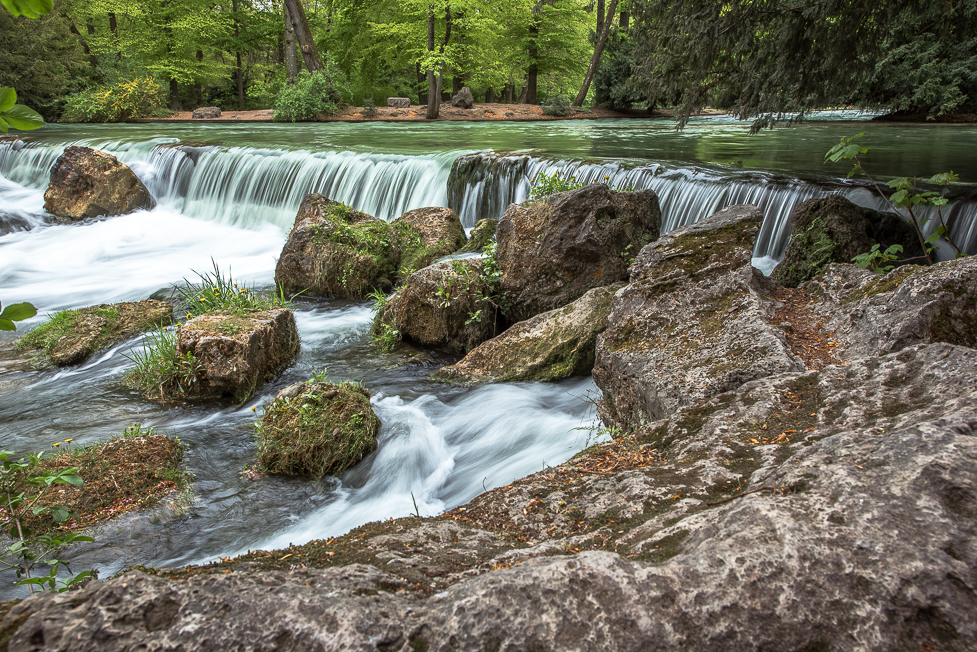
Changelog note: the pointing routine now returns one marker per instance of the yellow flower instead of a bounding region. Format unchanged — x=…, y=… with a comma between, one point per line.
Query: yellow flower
x=202, y=299
x=253, y=409
x=69, y=439
x=55, y=445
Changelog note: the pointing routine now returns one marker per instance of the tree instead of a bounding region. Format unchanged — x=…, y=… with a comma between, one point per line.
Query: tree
x=763, y=58
x=310, y=54
x=595, y=58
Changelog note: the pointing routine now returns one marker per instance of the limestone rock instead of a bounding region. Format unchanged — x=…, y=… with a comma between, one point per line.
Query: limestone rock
x=445, y=306
x=206, y=113
x=691, y=323
x=834, y=230
x=234, y=353
x=427, y=234
x=482, y=234
x=316, y=429
x=399, y=102
x=552, y=345
x=872, y=314
x=86, y=182
x=553, y=250
x=463, y=99
x=336, y=251
x=72, y=336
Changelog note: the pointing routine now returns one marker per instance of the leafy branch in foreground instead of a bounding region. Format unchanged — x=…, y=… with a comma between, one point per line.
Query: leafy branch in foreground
x=906, y=196
x=16, y=115
x=15, y=312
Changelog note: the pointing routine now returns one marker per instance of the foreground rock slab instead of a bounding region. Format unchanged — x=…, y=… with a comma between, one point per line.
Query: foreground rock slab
x=86, y=182
x=553, y=250
x=691, y=324
x=233, y=354
x=550, y=346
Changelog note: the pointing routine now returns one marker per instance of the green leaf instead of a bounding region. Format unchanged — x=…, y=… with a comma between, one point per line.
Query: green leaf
x=3, y=125
x=899, y=198
x=7, y=325
x=22, y=117
x=18, y=311
x=8, y=97
x=933, y=238
x=40, y=7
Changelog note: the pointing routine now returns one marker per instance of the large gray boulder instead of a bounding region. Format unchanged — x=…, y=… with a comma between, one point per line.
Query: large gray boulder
x=86, y=182
x=206, y=113
x=551, y=251
x=463, y=99
x=691, y=324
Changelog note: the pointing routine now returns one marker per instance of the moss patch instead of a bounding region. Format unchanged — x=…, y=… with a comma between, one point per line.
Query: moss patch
x=324, y=428
x=481, y=235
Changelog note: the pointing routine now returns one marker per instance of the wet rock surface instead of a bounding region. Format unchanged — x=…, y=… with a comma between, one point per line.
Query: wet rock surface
x=482, y=234
x=691, y=324
x=551, y=251
x=834, y=230
x=235, y=353
x=553, y=345
x=86, y=182
x=425, y=235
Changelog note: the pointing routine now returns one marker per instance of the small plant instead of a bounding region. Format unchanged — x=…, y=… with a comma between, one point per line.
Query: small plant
x=217, y=293
x=559, y=107
x=906, y=196
x=311, y=96
x=876, y=260
x=379, y=300
x=369, y=108
x=544, y=184
x=386, y=337
x=159, y=369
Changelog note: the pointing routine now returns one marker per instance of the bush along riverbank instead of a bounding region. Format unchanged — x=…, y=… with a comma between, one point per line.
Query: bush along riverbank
x=783, y=468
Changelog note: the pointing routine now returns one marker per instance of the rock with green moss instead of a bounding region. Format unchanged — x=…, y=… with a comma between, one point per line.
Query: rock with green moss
x=87, y=182
x=72, y=336
x=316, y=429
x=482, y=234
x=426, y=234
x=691, y=324
x=229, y=355
x=447, y=305
x=553, y=250
x=873, y=314
x=336, y=251
x=550, y=346
x=834, y=230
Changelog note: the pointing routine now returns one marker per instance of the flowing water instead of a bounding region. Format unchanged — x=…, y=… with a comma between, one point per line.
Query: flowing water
x=229, y=192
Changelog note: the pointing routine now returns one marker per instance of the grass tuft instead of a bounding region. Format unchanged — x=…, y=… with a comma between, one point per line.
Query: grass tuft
x=159, y=371
x=218, y=293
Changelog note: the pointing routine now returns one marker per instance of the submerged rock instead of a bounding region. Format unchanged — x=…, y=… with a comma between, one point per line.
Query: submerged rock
x=550, y=346
x=426, y=234
x=553, y=250
x=482, y=235
x=336, y=251
x=691, y=323
x=317, y=429
x=72, y=336
x=834, y=230
x=230, y=355
x=86, y=182
x=447, y=305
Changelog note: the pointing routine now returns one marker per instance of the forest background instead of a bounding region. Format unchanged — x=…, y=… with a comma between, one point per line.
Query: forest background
x=101, y=60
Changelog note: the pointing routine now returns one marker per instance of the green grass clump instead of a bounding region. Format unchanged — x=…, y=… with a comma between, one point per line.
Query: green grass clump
x=324, y=428
x=215, y=293
x=62, y=323
x=159, y=371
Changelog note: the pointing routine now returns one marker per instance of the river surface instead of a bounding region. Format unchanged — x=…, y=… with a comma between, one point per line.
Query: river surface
x=228, y=193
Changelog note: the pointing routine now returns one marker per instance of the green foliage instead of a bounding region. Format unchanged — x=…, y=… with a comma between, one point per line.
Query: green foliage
x=15, y=312
x=61, y=324
x=140, y=97
x=18, y=476
x=544, y=184
x=612, y=81
x=16, y=115
x=324, y=429
x=876, y=260
x=159, y=370
x=29, y=8
x=216, y=292
x=310, y=97
x=559, y=107
x=386, y=337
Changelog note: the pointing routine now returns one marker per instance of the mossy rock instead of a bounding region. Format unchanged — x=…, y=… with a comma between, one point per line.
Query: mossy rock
x=336, y=251
x=834, y=230
x=425, y=234
x=72, y=336
x=481, y=236
x=317, y=429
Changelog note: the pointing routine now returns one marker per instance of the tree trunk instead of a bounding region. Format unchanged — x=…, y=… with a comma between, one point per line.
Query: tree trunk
x=490, y=96
x=433, y=92
x=421, y=95
x=198, y=86
x=84, y=44
x=595, y=60
x=240, y=71
x=625, y=20
x=174, y=95
x=600, y=17
x=291, y=63
x=509, y=93
x=456, y=84
x=113, y=25
x=310, y=55
x=523, y=94
x=533, y=73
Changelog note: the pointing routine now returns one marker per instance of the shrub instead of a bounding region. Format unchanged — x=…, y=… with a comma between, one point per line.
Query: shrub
x=310, y=97
x=559, y=107
x=139, y=97
x=547, y=184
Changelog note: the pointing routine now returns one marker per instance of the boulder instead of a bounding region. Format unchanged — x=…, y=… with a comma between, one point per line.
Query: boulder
x=553, y=250
x=316, y=429
x=399, y=102
x=873, y=314
x=336, y=251
x=482, y=234
x=86, y=182
x=72, y=336
x=463, y=99
x=550, y=346
x=691, y=324
x=447, y=305
x=834, y=230
x=229, y=355
x=206, y=113
x=854, y=531
x=426, y=234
